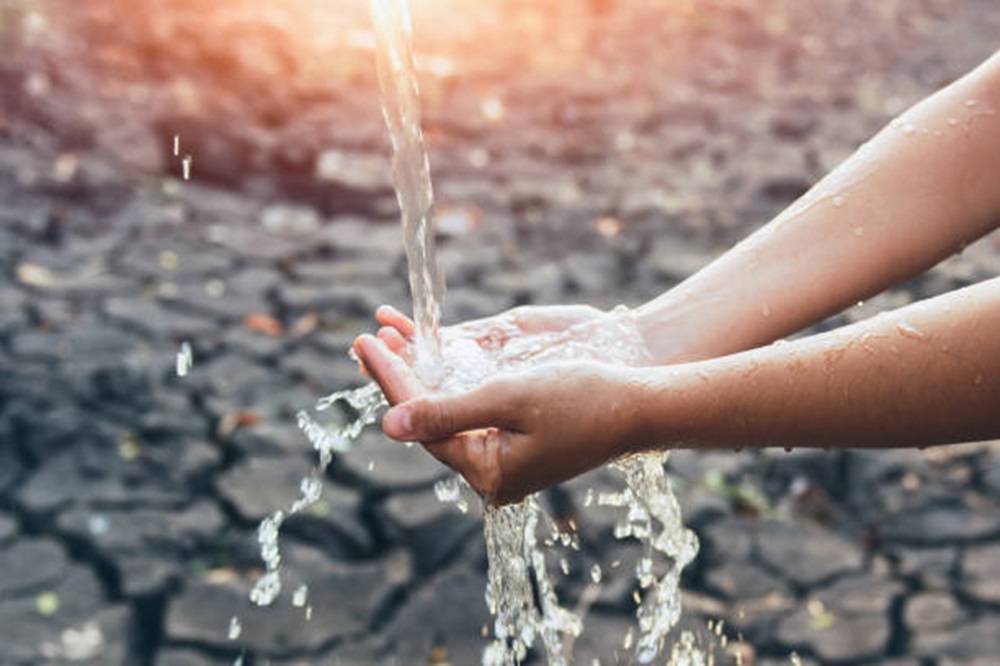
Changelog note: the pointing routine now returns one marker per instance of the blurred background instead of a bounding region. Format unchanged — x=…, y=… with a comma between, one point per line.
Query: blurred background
x=583, y=151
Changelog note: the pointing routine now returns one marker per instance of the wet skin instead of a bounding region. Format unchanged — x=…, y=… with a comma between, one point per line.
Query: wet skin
x=927, y=374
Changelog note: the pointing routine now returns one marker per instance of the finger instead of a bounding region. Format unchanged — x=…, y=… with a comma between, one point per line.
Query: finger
x=393, y=374
x=390, y=316
x=434, y=418
x=396, y=343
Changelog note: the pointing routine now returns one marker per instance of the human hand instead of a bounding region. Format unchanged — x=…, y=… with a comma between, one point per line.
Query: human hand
x=515, y=434
x=530, y=333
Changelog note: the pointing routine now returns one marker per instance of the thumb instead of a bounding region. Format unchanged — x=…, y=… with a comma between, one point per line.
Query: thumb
x=439, y=417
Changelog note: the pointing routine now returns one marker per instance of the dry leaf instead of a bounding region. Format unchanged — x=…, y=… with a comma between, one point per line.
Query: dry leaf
x=263, y=323
x=233, y=421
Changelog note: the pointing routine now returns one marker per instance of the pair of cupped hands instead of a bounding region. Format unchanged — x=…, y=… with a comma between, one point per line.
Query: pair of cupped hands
x=521, y=431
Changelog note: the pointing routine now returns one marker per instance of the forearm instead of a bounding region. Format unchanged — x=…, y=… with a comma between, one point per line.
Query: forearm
x=917, y=192
x=922, y=375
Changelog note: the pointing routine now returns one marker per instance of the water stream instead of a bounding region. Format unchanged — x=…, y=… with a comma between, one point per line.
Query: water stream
x=411, y=175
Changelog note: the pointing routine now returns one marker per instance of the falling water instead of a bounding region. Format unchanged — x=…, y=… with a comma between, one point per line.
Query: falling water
x=411, y=174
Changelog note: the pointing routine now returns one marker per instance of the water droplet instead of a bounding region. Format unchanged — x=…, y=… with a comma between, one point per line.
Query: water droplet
x=235, y=628
x=952, y=122
x=595, y=573
x=300, y=596
x=564, y=566
x=908, y=331
x=266, y=590
x=185, y=359
x=838, y=201
x=186, y=167
x=971, y=103
x=309, y=613
x=371, y=465
x=177, y=145
x=447, y=490
x=909, y=129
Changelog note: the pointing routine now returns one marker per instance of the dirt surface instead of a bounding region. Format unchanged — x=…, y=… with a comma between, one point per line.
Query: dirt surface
x=582, y=152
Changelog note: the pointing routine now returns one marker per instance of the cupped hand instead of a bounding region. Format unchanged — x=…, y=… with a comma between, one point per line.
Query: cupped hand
x=531, y=332
x=515, y=434
x=490, y=332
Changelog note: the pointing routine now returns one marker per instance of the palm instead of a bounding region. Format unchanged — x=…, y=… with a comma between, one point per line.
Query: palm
x=520, y=334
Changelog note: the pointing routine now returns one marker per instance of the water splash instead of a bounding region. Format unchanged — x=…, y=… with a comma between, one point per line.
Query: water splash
x=326, y=441
x=520, y=591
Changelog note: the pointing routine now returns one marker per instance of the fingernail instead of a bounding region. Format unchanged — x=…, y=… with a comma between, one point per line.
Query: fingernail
x=397, y=420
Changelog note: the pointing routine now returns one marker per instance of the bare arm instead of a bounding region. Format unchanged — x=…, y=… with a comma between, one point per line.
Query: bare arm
x=925, y=374
x=917, y=192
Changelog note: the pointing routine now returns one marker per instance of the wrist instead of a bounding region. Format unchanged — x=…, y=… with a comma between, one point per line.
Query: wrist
x=658, y=417
x=677, y=327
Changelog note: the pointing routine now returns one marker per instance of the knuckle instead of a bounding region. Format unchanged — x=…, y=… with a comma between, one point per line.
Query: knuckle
x=439, y=419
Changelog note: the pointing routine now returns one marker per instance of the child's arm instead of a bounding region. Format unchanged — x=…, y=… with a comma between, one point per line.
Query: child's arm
x=925, y=374
x=919, y=191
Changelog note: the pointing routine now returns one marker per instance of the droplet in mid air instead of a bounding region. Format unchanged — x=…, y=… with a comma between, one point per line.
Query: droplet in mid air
x=235, y=628
x=300, y=596
x=185, y=359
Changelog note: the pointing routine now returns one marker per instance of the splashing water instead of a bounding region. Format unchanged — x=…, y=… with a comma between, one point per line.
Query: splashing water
x=326, y=440
x=520, y=592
